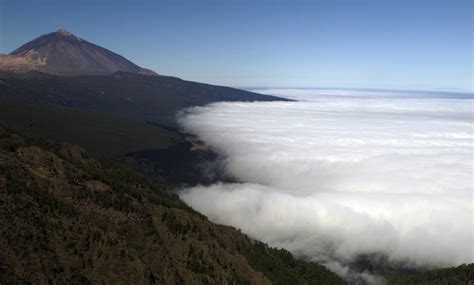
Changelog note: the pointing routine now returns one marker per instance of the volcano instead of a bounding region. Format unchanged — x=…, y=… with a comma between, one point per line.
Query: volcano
x=63, y=53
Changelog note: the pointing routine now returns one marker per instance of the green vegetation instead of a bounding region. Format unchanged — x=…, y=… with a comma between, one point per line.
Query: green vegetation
x=281, y=267
x=462, y=275
x=67, y=218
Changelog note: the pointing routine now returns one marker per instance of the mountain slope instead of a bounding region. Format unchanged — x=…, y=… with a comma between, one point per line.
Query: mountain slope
x=66, y=218
x=462, y=275
x=62, y=53
x=108, y=114
x=143, y=97
x=103, y=87
x=111, y=115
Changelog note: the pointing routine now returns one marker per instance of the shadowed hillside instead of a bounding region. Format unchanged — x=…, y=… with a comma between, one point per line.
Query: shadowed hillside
x=462, y=275
x=67, y=218
x=135, y=96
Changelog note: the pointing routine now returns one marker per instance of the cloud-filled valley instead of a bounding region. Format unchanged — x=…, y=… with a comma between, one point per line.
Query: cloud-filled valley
x=345, y=173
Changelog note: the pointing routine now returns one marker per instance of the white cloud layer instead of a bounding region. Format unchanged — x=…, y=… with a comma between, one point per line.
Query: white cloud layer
x=338, y=175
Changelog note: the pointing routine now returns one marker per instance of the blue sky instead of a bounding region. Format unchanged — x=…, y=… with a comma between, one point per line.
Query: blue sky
x=404, y=44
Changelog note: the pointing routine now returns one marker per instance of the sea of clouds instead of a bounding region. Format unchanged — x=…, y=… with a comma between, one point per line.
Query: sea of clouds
x=345, y=173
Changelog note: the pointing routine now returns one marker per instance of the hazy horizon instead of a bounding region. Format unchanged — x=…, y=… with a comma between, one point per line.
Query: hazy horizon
x=422, y=45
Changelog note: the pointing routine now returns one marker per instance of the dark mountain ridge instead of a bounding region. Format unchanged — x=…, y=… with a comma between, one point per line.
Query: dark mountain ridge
x=137, y=96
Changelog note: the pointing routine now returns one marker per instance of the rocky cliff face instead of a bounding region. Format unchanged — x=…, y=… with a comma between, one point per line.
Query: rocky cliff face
x=62, y=53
